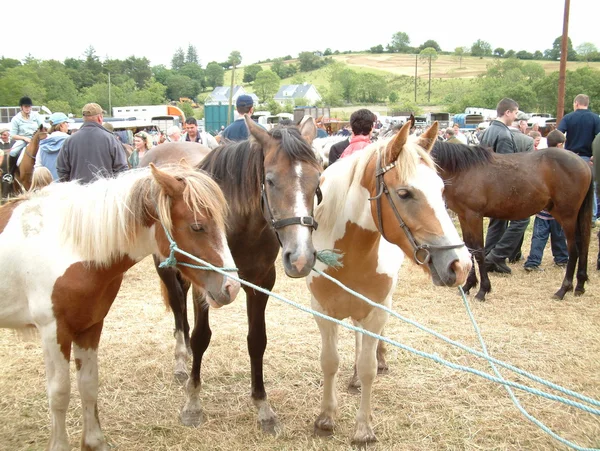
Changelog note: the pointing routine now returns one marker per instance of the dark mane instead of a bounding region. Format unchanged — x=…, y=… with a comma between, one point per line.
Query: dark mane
x=455, y=158
x=238, y=167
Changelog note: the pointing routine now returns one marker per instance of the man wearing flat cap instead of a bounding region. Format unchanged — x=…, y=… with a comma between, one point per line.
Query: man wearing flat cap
x=92, y=152
x=237, y=130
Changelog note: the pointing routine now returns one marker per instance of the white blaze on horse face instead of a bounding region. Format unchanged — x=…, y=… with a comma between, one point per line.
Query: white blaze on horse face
x=431, y=185
x=303, y=233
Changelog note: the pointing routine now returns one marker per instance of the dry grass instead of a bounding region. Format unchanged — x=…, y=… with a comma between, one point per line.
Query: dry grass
x=418, y=405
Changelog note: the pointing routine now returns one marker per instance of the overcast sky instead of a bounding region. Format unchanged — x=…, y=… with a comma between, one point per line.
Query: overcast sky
x=153, y=29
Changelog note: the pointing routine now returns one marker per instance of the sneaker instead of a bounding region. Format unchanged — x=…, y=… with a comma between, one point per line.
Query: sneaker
x=533, y=269
x=561, y=264
x=8, y=178
x=495, y=264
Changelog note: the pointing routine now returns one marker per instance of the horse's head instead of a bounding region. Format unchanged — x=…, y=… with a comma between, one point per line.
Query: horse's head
x=408, y=207
x=290, y=182
x=191, y=206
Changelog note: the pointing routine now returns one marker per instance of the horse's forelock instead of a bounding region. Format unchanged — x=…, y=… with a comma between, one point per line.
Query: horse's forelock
x=293, y=144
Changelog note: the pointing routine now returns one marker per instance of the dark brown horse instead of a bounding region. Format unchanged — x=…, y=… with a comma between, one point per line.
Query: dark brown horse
x=270, y=182
x=481, y=183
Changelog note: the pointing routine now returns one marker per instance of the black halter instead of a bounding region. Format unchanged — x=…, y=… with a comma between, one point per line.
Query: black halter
x=422, y=252
x=307, y=221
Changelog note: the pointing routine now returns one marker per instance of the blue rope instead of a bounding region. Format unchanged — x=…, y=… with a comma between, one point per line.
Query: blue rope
x=498, y=379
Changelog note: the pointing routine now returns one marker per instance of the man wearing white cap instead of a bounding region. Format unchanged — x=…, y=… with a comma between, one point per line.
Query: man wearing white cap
x=91, y=152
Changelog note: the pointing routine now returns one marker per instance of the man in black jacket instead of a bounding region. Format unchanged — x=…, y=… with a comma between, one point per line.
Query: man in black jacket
x=503, y=237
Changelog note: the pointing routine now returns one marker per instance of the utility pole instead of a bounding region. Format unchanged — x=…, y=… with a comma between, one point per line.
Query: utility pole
x=109, y=99
x=562, y=71
x=231, y=94
x=416, y=61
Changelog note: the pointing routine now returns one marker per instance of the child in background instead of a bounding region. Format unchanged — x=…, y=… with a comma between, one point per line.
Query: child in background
x=545, y=225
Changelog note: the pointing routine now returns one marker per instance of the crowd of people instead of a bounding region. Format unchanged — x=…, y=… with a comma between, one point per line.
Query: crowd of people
x=96, y=151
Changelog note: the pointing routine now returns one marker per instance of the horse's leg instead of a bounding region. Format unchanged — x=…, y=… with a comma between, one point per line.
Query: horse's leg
x=468, y=239
x=85, y=351
x=382, y=366
x=473, y=235
x=583, y=235
x=58, y=385
x=191, y=414
x=567, y=283
x=330, y=361
x=354, y=383
x=367, y=370
x=174, y=291
x=256, y=303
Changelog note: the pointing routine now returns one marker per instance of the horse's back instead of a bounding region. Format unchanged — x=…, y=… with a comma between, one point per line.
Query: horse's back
x=174, y=152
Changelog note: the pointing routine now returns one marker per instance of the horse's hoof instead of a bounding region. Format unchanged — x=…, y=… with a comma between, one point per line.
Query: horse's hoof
x=354, y=386
x=192, y=418
x=480, y=296
x=579, y=292
x=181, y=376
x=559, y=295
x=324, y=426
x=364, y=434
x=270, y=426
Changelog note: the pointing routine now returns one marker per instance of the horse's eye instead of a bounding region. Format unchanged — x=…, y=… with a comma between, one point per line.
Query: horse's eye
x=197, y=228
x=270, y=182
x=404, y=193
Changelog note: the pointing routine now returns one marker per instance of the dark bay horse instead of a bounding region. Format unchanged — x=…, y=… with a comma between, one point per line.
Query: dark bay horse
x=65, y=249
x=481, y=183
x=270, y=182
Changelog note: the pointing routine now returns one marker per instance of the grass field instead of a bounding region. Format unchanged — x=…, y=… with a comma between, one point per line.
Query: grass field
x=418, y=405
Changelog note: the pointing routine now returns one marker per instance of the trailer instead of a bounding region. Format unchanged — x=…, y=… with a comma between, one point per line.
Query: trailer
x=163, y=116
x=443, y=119
x=468, y=121
x=316, y=112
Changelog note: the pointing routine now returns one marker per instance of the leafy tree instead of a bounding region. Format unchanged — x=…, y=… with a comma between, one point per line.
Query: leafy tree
x=524, y=55
x=499, y=52
x=235, y=59
x=309, y=61
x=138, y=69
x=348, y=79
x=509, y=54
x=195, y=72
x=400, y=42
x=334, y=96
x=585, y=50
x=250, y=72
x=59, y=105
x=283, y=70
x=537, y=55
x=376, y=49
x=371, y=88
x=214, y=74
x=20, y=81
x=327, y=52
x=58, y=85
x=555, y=51
x=429, y=54
x=481, y=48
x=186, y=108
x=533, y=71
x=430, y=43
x=393, y=97
x=178, y=59
x=266, y=84
x=181, y=86
x=8, y=63
x=273, y=106
x=191, y=55
x=161, y=73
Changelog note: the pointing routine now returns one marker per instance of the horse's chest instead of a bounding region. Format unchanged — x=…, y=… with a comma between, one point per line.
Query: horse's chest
x=365, y=270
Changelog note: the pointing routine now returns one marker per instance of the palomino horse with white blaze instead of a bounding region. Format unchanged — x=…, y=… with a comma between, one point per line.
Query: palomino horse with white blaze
x=270, y=182
x=64, y=250
x=378, y=204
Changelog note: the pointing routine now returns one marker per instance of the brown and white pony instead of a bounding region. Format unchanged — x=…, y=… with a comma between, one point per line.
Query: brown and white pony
x=378, y=205
x=65, y=248
x=24, y=173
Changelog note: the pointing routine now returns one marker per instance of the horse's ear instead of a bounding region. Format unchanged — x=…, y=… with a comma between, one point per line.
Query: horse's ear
x=168, y=183
x=397, y=144
x=183, y=162
x=427, y=138
x=42, y=128
x=308, y=129
x=259, y=133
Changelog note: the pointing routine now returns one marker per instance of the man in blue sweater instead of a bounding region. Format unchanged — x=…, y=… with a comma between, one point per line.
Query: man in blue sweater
x=581, y=127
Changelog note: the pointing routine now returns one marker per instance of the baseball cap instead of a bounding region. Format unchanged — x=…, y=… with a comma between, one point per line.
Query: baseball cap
x=92, y=109
x=59, y=118
x=244, y=100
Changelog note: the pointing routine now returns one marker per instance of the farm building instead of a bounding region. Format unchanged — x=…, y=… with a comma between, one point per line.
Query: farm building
x=291, y=93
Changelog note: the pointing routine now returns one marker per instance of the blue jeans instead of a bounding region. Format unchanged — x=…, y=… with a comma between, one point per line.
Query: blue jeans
x=541, y=230
x=595, y=206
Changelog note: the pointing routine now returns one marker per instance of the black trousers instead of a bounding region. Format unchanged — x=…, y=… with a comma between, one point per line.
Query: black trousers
x=504, y=238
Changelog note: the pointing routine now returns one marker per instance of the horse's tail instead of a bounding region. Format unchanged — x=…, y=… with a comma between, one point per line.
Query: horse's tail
x=165, y=295
x=584, y=222
x=41, y=177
